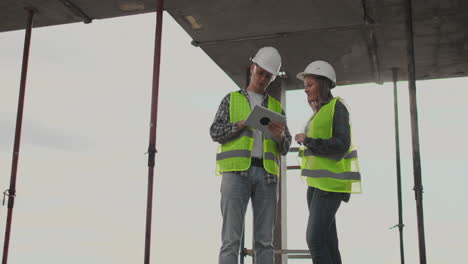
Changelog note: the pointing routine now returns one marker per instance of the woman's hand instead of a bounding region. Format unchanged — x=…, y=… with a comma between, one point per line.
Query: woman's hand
x=300, y=138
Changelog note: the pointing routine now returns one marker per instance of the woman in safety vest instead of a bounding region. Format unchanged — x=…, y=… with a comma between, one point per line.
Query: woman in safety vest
x=329, y=161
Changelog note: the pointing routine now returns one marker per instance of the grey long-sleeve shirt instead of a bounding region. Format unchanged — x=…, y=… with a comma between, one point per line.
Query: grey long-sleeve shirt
x=222, y=130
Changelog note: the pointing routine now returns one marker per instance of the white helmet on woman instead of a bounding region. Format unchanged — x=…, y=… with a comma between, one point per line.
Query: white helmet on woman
x=269, y=59
x=320, y=68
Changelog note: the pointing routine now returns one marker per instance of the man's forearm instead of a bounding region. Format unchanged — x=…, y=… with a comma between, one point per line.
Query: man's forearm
x=222, y=133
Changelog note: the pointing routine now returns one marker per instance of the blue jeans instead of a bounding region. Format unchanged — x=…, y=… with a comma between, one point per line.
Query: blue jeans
x=321, y=234
x=237, y=188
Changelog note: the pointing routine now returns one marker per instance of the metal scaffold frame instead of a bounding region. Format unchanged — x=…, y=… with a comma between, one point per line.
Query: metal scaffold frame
x=280, y=238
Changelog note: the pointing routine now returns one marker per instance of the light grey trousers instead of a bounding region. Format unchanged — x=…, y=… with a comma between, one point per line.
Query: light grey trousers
x=236, y=190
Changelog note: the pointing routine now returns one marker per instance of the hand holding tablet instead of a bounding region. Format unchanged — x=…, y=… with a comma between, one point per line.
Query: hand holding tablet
x=261, y=116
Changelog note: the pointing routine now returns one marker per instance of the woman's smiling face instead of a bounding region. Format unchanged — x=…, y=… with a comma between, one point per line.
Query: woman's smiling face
x=311, y=88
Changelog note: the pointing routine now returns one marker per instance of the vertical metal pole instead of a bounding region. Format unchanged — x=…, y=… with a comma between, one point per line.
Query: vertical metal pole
x=242, y=254
x=278, y=238
x=242, y=246
x=242, y=250
x=398, y=165
x=254, y=255
x=19, y=123
x=153, y=127
x=418, y=189
x=278, y=91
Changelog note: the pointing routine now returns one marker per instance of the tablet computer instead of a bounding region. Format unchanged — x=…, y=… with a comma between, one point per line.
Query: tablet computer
x=261, y=116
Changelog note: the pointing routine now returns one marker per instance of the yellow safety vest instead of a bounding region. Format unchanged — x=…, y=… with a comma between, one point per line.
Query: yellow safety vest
x=335, y=173
x=235, y=155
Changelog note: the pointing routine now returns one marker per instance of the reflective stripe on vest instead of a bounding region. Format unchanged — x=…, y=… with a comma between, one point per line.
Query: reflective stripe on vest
x=271, y=157
x=336, y=172
x=337, y=157
x=348, y=175
x=235, y=155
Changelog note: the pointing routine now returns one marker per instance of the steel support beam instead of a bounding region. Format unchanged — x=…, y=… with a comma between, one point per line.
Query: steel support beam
x=243, y=249
x=418, y=188
x=398, y=164
x=371, y=42
x=277, y=35
x=11, y=193
x=153, y=127
x=278, y=91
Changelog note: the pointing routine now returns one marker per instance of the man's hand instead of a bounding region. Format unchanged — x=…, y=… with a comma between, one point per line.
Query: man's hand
x=300, y=138
x=241, y=124
x=277, y=130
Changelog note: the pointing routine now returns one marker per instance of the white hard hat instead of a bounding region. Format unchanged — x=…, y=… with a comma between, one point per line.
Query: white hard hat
x=269, y=59
x=320, y=68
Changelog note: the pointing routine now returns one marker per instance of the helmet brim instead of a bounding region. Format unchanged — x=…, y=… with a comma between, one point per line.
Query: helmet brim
x=301, y=76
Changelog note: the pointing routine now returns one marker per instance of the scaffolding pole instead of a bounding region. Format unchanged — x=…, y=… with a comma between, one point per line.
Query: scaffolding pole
x=153, y=127
x=418, y=188
x=11, y=192
x=398, y=164
x=243, y=249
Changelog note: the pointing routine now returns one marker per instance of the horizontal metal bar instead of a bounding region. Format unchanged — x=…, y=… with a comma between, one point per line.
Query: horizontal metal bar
x=299, y=257
x=294, y=251
x=283, y=252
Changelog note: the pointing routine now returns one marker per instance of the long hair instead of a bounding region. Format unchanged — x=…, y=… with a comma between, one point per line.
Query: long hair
x=325, y=94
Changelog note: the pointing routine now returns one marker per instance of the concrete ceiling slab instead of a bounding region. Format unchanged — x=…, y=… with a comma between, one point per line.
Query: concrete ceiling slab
x=362, y=39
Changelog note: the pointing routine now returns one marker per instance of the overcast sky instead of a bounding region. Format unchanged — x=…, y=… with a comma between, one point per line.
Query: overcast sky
x=81, y=190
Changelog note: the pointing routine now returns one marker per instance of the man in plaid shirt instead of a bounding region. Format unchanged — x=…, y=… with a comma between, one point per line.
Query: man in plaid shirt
x=250, y=172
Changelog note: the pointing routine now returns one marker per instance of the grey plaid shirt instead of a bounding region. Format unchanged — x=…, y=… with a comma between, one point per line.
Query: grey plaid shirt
x=222, y=130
